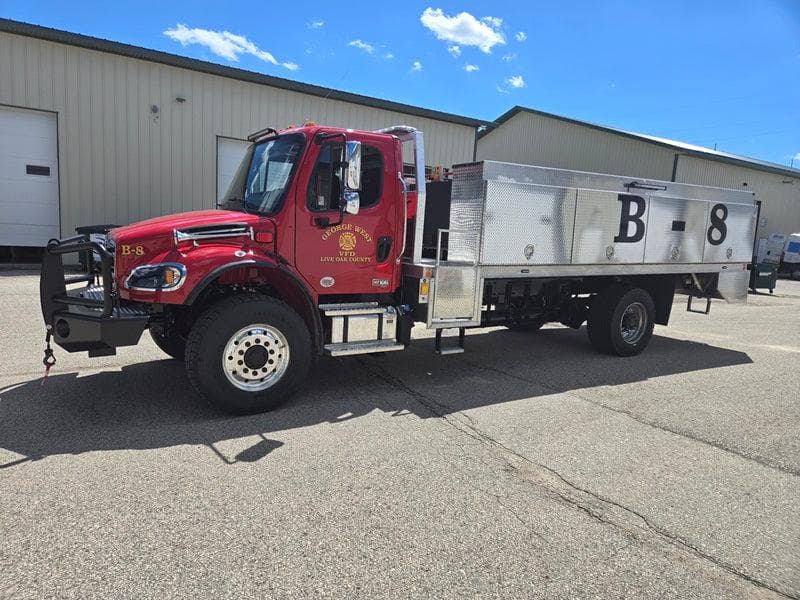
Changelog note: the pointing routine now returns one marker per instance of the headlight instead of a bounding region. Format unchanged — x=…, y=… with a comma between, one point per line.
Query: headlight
x=164, y=276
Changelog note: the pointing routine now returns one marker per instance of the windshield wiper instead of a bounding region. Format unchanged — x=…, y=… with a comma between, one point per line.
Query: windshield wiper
x=229, y=200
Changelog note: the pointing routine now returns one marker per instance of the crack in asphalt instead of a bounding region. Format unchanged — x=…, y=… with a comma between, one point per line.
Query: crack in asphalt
x=498, y=499
x=633, y=417
x=471, y=429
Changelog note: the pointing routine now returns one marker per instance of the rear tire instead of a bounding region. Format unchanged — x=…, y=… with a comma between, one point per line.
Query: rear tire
x=248, y=354
x=621, y=320
x=173, y=344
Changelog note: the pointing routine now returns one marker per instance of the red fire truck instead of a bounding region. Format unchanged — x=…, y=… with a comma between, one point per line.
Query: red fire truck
x=329, y=242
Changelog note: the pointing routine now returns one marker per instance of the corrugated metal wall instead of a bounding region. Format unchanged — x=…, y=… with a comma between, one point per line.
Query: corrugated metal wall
x=120, y=162
x=538, y=140
x=779, y=195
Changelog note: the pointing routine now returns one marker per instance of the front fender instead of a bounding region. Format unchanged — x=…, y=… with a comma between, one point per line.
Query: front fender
x=207, y=265
x=279, y=276
x=199, y=262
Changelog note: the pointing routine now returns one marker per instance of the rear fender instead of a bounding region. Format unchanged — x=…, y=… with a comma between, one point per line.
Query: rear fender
x=662, y=290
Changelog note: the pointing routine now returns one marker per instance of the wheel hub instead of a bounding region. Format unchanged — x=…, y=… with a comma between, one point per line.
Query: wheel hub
x=633, y=322
x=256, y=357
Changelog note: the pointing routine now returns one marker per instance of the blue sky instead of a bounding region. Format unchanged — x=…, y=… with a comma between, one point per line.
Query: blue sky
x=723, y=72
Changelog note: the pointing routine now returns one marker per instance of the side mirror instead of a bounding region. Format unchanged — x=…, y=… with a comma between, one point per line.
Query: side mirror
x=351, y=203
x=353, y=174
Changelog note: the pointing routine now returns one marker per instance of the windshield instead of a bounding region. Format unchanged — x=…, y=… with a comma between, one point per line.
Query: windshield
x=270, y=173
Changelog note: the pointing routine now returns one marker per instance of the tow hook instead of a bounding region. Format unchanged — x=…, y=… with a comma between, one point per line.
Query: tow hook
x=49, y=358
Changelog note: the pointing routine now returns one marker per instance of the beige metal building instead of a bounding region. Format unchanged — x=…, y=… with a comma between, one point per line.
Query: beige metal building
x=93, y=131
x=524, y=135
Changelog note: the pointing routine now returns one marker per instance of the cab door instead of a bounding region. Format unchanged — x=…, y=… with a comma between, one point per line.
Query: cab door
x=343, y=253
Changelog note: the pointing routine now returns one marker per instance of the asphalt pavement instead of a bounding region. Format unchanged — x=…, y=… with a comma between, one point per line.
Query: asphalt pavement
x=528, y=467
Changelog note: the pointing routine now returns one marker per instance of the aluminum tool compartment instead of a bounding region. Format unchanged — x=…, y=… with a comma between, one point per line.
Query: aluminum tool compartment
x=512, y=220
x=510, y=214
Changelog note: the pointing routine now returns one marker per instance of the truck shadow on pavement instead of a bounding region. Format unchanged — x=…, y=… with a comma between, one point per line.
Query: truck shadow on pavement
x=151, y=405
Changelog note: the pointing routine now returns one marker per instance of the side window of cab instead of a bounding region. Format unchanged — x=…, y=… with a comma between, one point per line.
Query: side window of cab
x=325, y=187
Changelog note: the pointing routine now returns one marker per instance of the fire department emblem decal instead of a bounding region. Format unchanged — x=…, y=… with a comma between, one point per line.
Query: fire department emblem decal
x=348, y=237
x=347, y=241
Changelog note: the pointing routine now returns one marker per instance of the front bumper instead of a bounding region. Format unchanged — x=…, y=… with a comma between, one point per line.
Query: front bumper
x=89, y=318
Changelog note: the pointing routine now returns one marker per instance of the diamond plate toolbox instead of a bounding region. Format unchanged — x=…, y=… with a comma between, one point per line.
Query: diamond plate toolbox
x=525, y=223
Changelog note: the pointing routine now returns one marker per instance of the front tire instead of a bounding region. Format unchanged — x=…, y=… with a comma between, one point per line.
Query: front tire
x=621, y=320
x=248, y=353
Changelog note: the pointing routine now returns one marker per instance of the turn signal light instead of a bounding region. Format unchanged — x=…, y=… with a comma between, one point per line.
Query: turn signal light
x=265, y=237
x=171, y=277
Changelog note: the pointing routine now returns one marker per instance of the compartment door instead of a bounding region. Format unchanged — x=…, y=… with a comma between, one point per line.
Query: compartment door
x=527, y=224
x=730, y=232
x=454, y=300
x=609, y=228
x=676, y=230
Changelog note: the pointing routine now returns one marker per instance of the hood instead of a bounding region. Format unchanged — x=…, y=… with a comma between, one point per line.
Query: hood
x=161, y=227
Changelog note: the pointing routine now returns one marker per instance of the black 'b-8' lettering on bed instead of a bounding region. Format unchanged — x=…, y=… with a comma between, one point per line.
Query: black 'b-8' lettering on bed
x=627, y=217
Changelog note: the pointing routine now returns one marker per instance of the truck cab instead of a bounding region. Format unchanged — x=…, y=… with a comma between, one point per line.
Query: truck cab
x=312, y=226
x=291, y=199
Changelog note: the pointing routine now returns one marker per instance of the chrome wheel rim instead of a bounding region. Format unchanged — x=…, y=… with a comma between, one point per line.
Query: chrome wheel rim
x=256, y=357
x=633, y=323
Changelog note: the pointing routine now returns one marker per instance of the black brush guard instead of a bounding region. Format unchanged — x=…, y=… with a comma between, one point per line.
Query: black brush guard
x=89, y=318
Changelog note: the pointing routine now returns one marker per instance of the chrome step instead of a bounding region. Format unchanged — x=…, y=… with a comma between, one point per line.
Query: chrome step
x=345, y=349
x=351, y=309
x=352, y=312
x=347, y=305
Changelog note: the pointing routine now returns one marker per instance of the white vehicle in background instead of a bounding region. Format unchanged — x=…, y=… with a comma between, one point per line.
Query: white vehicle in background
x=790, y=260
x=783, y=251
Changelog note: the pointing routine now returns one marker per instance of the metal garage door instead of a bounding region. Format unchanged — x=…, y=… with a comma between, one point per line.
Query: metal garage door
x=28, y=177
x=229, y=155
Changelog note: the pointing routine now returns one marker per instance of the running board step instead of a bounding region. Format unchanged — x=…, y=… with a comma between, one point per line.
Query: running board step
x=347, y=348
x=452, y=349
x=350, y=308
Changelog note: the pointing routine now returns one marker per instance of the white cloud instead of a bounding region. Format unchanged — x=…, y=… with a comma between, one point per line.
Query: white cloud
x=315, y=24
x=521, y=36
x=502, y=90
x=455, y=51
x=796, y=156
x=223, y=43
x=464, y=29
x=516, y=81
x=362, y=45
x=388, y=56
x=416, y=67
x=471, y=68
x=509, y=57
